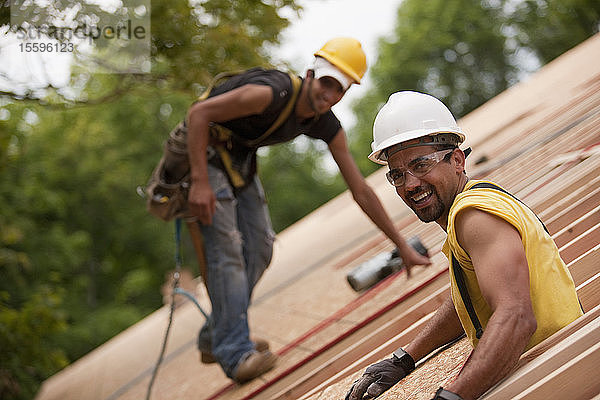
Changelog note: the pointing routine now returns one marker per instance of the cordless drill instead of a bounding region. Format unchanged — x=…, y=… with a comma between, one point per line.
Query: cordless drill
x=382, y=265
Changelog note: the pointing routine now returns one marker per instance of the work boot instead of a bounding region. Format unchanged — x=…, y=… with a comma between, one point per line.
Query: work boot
x=255, y=364
x=259, y=344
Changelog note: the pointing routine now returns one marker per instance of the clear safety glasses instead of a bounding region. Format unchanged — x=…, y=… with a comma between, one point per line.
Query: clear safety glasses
x=419, y=167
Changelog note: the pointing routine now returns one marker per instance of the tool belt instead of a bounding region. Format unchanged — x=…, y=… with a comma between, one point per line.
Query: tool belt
x=168, y=188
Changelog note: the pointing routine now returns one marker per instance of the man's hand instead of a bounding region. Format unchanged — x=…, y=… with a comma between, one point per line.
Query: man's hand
x=202, y=202
x=380, y=377
x=412, y=257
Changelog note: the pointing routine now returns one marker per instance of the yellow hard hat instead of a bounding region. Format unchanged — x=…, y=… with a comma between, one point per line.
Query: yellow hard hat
x=346, y=54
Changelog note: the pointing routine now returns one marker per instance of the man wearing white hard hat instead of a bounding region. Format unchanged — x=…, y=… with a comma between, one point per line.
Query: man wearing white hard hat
x=509, y=287
x=253, y=109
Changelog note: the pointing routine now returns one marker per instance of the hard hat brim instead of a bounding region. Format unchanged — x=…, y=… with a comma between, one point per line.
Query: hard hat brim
x=376, y=155
x=322, y=68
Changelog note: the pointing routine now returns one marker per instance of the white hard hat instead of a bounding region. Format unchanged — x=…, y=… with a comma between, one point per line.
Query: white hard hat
x=410, y=115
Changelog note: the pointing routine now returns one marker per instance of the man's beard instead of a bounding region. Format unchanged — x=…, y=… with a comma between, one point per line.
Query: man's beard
x=431, y=213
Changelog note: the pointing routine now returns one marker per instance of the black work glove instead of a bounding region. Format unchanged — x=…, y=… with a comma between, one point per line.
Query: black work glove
x=381, y=376
x=443, y=394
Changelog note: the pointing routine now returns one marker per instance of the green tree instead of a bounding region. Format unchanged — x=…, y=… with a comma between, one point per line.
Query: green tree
x=27, y=358
x=295, y=181
x=81, y=259
x=30, y=310
x=78, y=230
x=233, y=33
x=190, y=43
x=466, y=51
x=548, y=28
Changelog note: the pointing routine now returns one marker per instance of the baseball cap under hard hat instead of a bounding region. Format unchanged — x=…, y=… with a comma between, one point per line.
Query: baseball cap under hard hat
x=322, y=68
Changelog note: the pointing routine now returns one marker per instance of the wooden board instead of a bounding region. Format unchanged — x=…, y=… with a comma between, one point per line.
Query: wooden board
x=588, y=290
x=574, y=211
x=577, y=379
x=577, y=227
x=557, y=355
x=374, y=336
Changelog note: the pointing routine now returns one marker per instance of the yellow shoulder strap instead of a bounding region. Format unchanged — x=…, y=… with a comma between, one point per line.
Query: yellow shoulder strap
x=285, y=113
x=216, y=79
x=236, y=178
x=234, y=175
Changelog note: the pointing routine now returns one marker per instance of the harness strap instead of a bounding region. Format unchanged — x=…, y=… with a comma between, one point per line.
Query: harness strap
x=234, y=176
x=488, y=185
x=223, y=135
x=458, y=272
x=285, y=113
x=216, y=79
x=464, y=295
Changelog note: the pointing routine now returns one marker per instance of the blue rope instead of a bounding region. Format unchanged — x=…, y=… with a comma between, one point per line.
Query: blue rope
x=178, y=260
x=176, y=290
x=193, y=299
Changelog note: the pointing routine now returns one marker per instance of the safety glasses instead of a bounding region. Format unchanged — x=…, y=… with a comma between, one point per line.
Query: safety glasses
x=419, y=167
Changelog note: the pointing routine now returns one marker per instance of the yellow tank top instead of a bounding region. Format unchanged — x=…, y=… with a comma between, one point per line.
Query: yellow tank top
x=552, y=289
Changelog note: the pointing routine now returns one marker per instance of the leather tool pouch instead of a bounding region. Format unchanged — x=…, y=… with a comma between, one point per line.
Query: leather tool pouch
x=168, y=187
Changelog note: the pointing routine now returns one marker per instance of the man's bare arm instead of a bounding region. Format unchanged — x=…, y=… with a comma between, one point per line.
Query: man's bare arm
x=499, y=260
x=441, y=329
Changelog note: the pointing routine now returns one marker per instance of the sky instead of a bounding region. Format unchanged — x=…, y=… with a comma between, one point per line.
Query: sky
x=322, y=20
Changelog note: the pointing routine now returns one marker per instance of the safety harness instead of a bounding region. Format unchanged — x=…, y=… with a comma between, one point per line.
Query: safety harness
x=222, y=138
x=167, y=190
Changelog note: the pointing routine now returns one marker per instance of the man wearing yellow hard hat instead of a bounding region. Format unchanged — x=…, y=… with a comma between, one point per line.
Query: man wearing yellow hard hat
x=259, y=108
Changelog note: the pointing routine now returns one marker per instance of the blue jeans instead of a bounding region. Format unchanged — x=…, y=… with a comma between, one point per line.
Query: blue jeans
x=238, y=247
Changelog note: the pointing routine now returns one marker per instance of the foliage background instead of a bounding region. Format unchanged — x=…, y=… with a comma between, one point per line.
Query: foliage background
x=81, y=259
